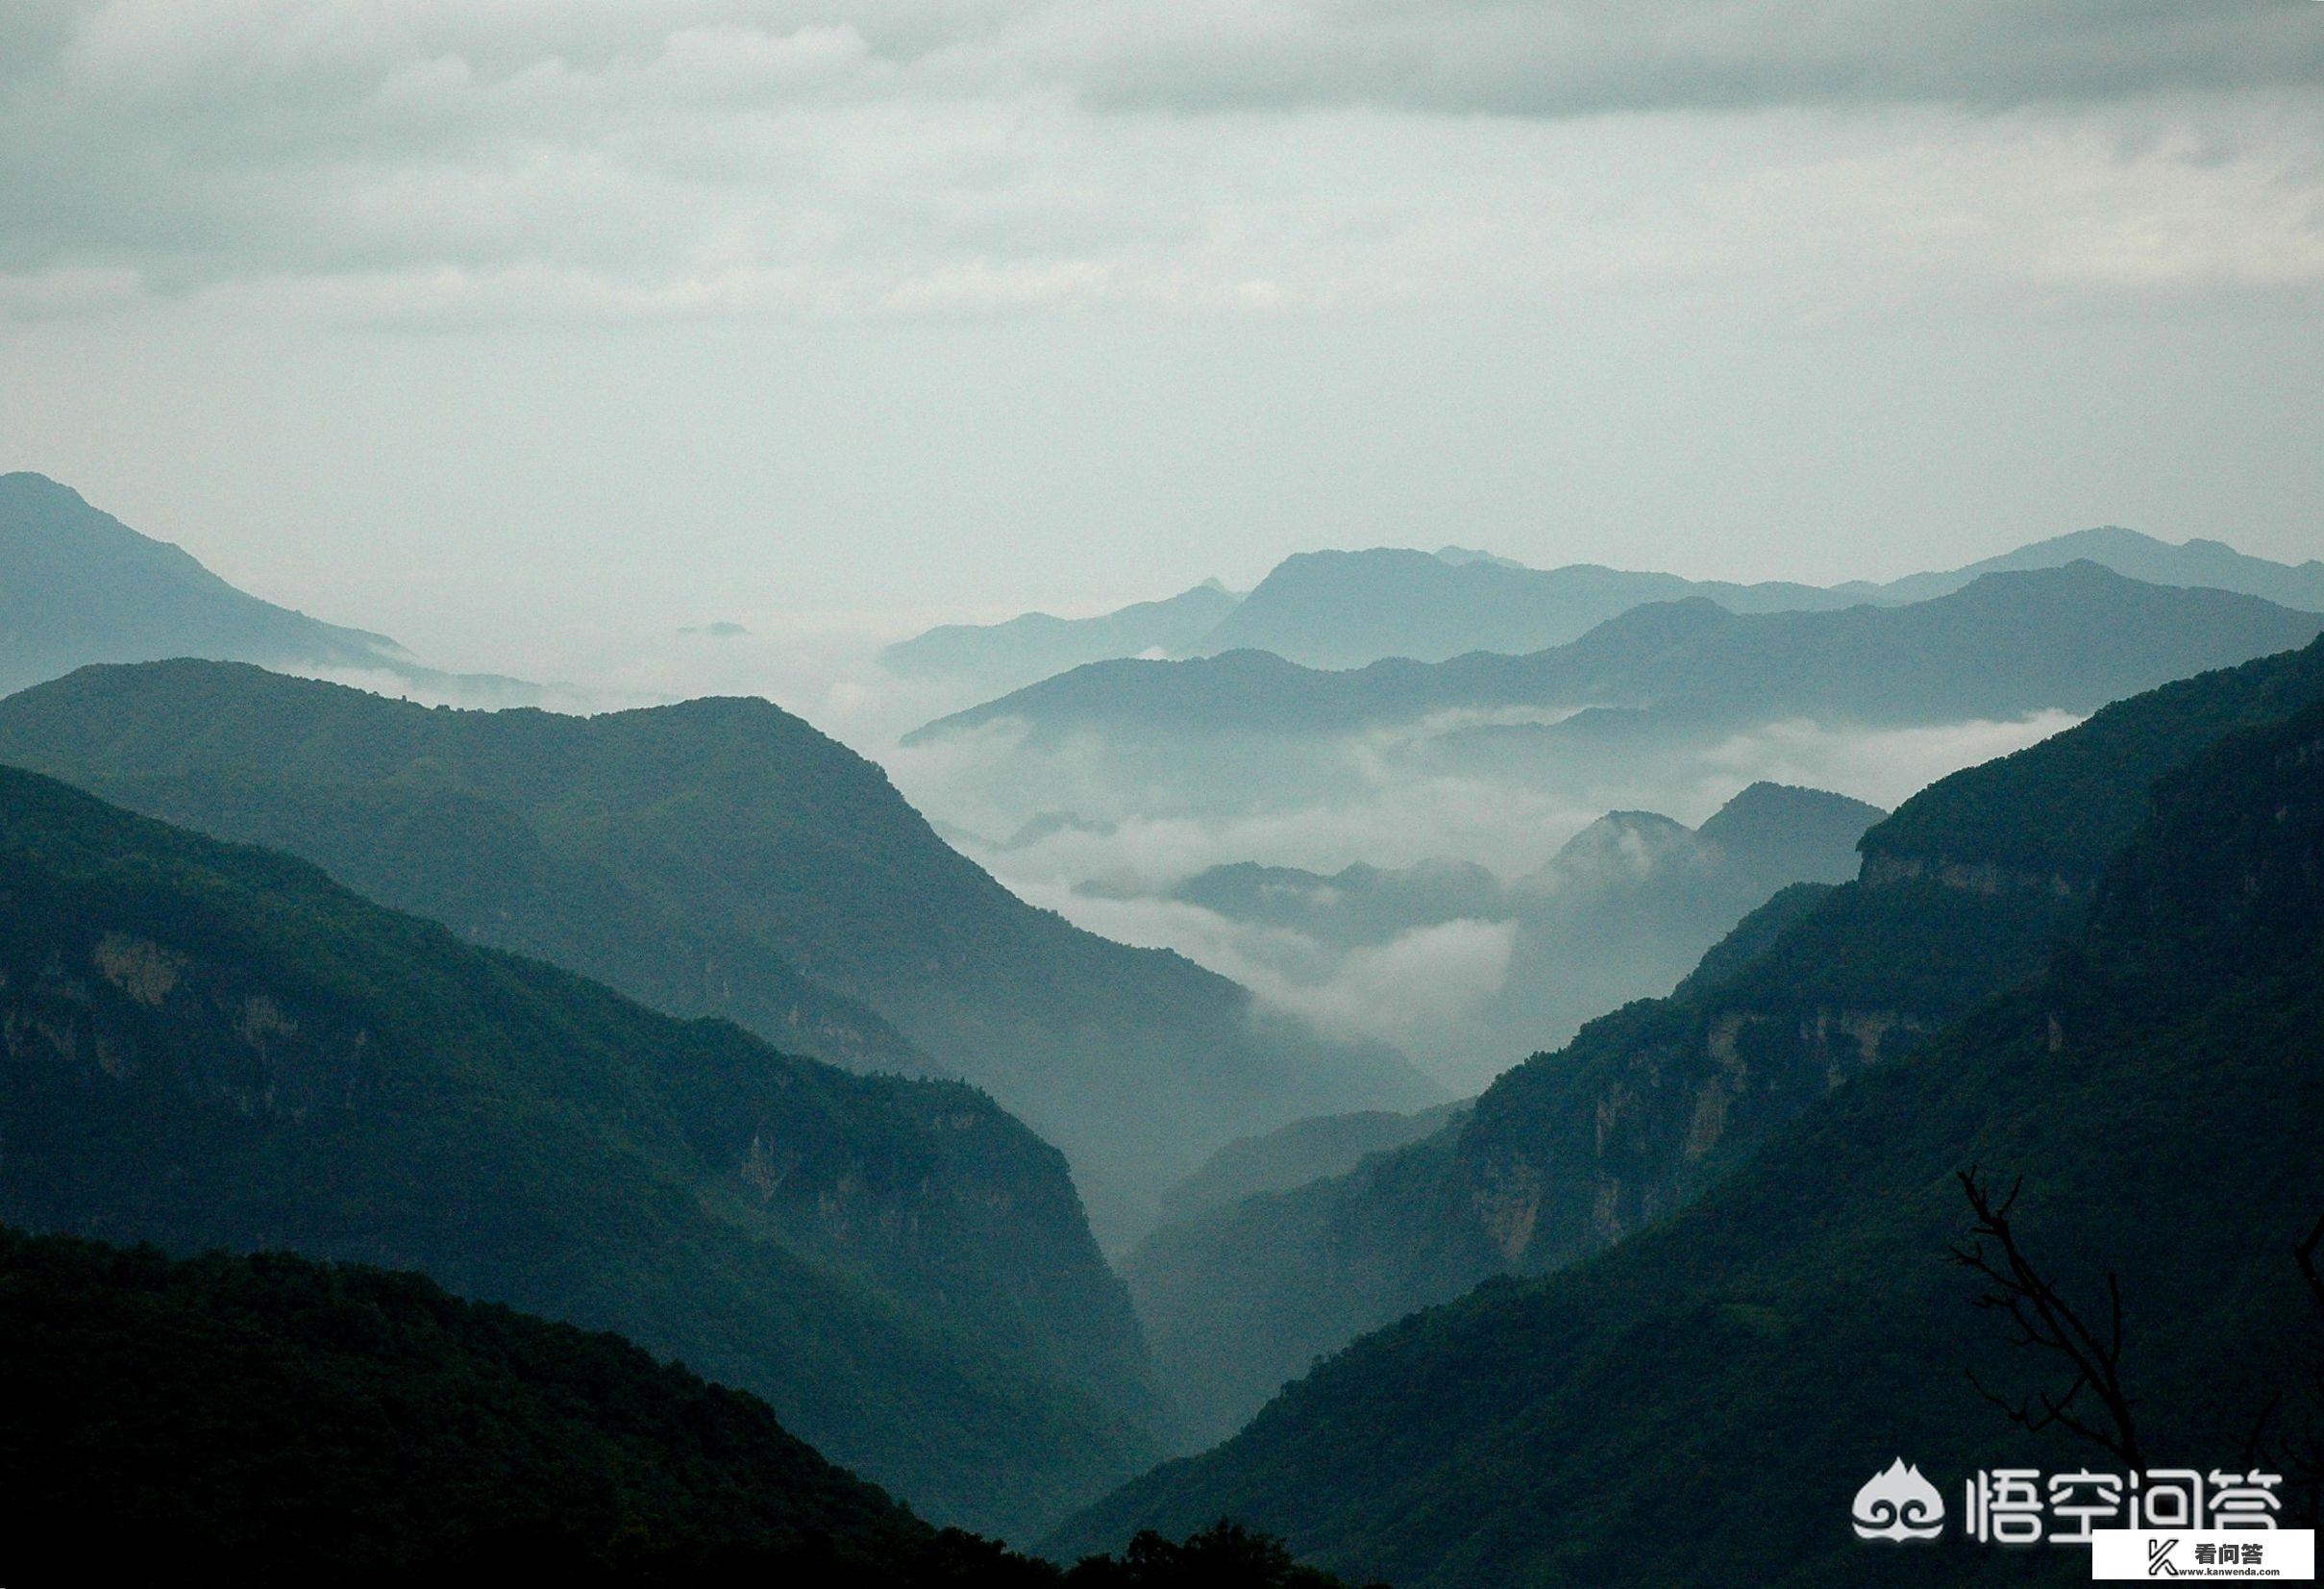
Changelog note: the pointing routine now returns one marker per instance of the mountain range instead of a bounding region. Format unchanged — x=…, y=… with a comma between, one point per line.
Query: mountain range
x=362, y=1064
x=2069, y=638
x=2086, y=972
x=1344, y=609
x=211, y=1044
x=1962, y=892
x=717, y=858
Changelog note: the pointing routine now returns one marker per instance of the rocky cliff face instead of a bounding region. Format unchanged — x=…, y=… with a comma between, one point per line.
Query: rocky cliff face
x=204, y=1045
x=2156, y=1087
x=717, y=858
x=1571, y=1152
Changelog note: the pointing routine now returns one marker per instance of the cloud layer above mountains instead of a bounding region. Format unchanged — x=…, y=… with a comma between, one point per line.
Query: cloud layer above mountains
x=453, y=319
x=420, y=162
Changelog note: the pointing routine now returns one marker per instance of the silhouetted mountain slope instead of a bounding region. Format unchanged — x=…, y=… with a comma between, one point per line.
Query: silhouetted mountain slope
x=1035, y=645
x=78, y=586
x=1344, y=609
x=1295, y=1154
x=2069, y=638
x=2208, y=563
x=273, y=1418
x=762, y=847
x=1347, y=610
x=1963, y=891
x=1698, y=1406
x=214, y=1045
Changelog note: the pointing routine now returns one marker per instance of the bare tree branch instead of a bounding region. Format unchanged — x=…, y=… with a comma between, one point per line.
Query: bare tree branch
x=2040, y=1319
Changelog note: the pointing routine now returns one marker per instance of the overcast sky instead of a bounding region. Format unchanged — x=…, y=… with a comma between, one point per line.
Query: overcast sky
x=464, y=320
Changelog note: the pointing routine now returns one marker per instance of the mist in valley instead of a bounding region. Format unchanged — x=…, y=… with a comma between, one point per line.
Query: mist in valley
x=1062, y=795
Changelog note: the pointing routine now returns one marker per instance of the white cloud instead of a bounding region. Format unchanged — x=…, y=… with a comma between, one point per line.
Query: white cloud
x=1410, y=991
x=1884, y=767
x=1136, y=837
x=427, y=162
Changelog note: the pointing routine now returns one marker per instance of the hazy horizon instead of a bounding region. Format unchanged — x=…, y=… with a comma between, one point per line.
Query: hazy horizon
x=453, y=322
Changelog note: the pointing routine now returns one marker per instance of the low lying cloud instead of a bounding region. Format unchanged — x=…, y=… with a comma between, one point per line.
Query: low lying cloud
x=1413, y=991
x=1077, y=830
x=1884, y=767
x=823, y=668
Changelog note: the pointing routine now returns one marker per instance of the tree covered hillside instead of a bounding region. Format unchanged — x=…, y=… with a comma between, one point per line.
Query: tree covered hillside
x=707, y=856
x=1698, y=1405
x=273, y=1420
x=207, y=1045
x=1965, y=891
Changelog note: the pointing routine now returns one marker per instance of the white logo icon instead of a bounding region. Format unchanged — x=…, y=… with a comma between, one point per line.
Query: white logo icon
x=1899, y=1505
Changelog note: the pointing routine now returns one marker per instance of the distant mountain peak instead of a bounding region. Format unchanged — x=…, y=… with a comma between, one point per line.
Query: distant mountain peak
x=1635, y=839
x=77, y=587
x=1768, y=815
x=1461, y=557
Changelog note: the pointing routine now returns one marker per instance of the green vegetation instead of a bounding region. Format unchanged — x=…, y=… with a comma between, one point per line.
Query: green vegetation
x=268, y=1419
x=1652, y=1104
x=715, y=857
x=2059, y=809
x=209, y=1045
x=1697, y=1405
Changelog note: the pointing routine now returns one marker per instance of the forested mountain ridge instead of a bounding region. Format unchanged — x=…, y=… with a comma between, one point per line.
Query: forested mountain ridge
x=768, y=844
x=2067, y=638
x=1963, y=892
x=1743, y=1367
x=207, y=1043
x=275, y=1420
x=477, y=863
x=270, y=1419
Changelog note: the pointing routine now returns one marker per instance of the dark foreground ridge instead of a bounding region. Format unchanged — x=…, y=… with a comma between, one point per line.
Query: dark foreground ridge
x=272, y=1420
